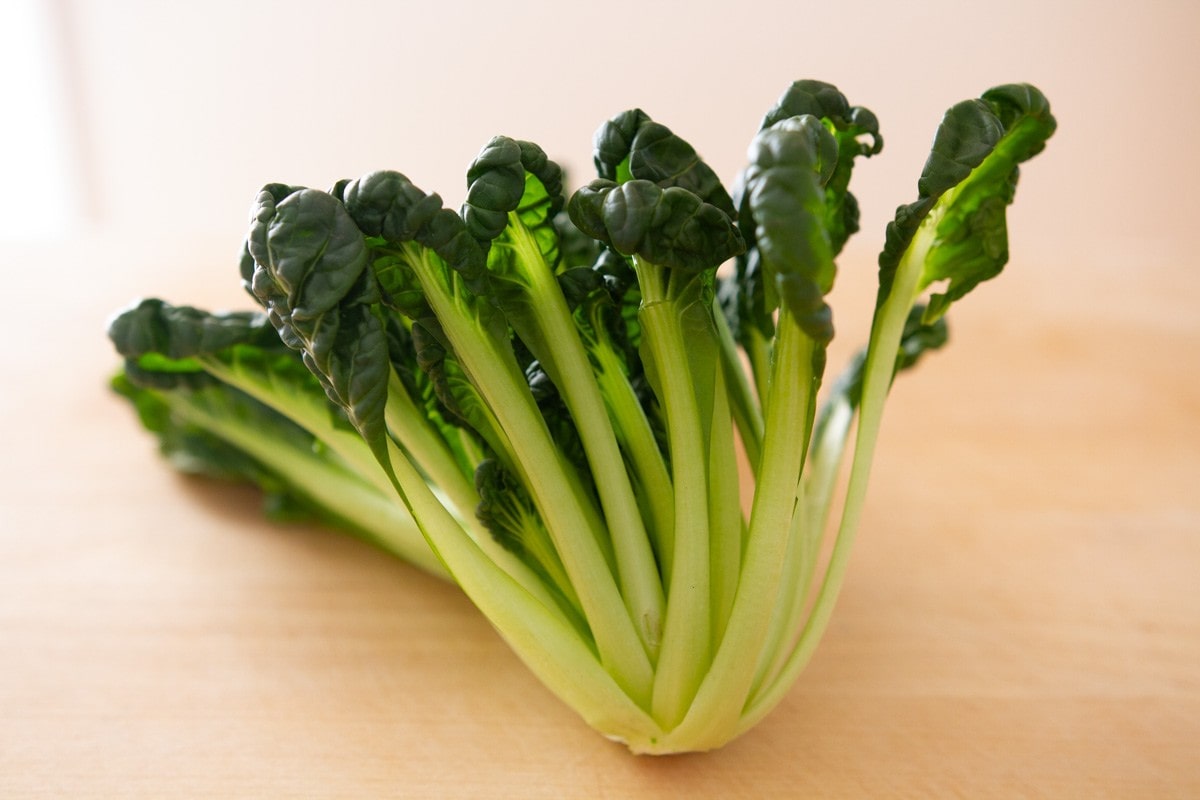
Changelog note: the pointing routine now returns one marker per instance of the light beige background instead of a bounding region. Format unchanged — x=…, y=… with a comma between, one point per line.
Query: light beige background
x=181, y=110
x=1020, y=618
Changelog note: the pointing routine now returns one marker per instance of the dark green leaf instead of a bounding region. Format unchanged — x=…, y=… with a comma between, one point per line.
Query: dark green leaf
x=670, y=227
x=311, y=275
x=785, y=200
x=631, y=146
x=970, y=178
x=510, y=175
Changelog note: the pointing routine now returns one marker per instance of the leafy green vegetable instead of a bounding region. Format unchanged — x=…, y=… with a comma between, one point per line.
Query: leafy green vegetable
x=226, y=398
x=617, y=447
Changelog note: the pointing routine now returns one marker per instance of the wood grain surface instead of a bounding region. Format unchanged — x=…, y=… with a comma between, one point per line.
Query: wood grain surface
x=1021, y=619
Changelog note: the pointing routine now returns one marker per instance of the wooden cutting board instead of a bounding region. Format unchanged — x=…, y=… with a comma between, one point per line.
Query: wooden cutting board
x=1021, y=618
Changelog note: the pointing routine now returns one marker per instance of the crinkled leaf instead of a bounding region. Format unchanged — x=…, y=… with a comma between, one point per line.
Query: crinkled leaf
x=785, y=199
x=957, y=226
x=311, y=275
x=513, y=176
x=177, y=332
x=387, y=206
x=631, y=146
x=670, y=227
x=163, y=344
x=856, y=130
x=749, y=296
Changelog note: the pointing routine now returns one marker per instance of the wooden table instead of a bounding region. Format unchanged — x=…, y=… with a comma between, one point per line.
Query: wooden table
x=1021, y=619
